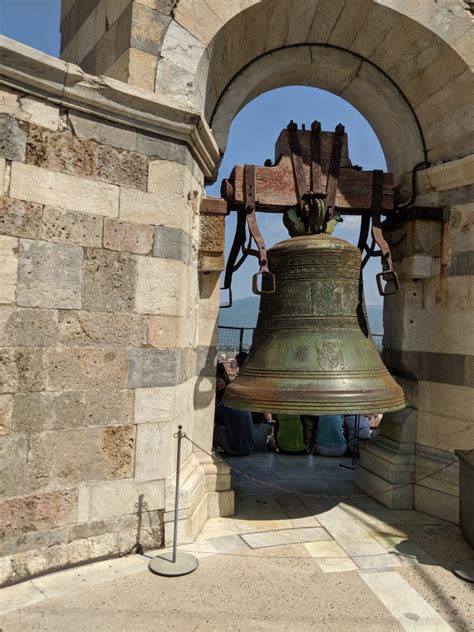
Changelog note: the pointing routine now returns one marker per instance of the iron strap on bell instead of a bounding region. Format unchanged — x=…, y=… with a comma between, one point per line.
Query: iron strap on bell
x=312, y=350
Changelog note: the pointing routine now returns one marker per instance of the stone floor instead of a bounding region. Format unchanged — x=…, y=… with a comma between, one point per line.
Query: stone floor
x=291, y=558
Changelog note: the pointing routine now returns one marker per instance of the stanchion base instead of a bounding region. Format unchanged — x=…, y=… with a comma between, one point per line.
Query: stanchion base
x=464, y=570
x=163, y=564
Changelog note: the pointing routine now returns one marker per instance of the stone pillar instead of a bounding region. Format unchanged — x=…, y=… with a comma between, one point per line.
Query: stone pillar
x=429, y=347
x=105, y=329
x=118, y=38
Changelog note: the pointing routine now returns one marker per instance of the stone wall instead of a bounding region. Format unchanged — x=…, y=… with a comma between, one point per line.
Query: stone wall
x=429, y=346
x=107, y=333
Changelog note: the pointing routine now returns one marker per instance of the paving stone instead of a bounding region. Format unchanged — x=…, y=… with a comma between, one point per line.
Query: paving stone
x=109, y=281
x=24, y=327
x=329, y=548
x=136, y=238
x=376, y=562
x=8, y=266
x=101, y=329
x=285, y=536
x=20, y=596
x=49, y=275
x=172, y=243
x=229, y=544
x=72, y=228
x=21, y=219
x=76, y=369
x=336, y=564
x=13, y=135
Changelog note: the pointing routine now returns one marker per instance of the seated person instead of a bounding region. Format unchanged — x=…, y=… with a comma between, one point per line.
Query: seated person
x=363, y=430
x=289, y=435
x=330, y=440
x=240, y=359
x=233, y=431
x=310, y=423
x=263, y=432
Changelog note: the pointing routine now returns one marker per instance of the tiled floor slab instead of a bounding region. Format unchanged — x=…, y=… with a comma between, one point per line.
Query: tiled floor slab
x=285, y=536
x=328, y=548
x=405, y=604
x=19, y=596
x=228, y=544
x=376, y=562
x=336, y=564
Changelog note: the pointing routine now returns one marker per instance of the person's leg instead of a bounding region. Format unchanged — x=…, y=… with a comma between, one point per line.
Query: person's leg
x=220, y=441
x=309, y=428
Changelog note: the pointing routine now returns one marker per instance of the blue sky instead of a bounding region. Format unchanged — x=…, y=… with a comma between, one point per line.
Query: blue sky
x=253, y=133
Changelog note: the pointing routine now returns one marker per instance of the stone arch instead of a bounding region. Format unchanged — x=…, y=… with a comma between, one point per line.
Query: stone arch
x=401, y=64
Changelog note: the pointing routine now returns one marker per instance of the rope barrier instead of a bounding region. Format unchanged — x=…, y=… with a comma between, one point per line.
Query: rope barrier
x=279, y=488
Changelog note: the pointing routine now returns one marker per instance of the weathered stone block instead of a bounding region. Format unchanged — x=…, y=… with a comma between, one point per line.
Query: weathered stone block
x=171, y=243
x=152, y=145
x=32, y=413
x=153, y=367
x=212, y=233
x=60, y=151
x=34, y=184
x=154, y=405
x=209, y=294
x=49, y=275
x=69, y=409
x=13, y=138
x=72, y=228
x=121, y=497
x=30, y=369
x=6, y=409
x=21, y=219
x=38, y=512
x=86, y=126
x=88, y=454
x=128, y=236
x=153, y=208
x=148, y=29
x=124, y=168
x=2, y=175
x=13, y=451
x=206, y=361
x=109, y=407
x=109, y=281
x=8, y=266
x=80, y=409
x=169, y=178
x=90, y=329
x=164, y=331
x=8, y=371
x=76, y=369
x=152, y=451
x=29, y=109
x=160, y=287
x=22, y=327
x=141, y=69
x=207, y=332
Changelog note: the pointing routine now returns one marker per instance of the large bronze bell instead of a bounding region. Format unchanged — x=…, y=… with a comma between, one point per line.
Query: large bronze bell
x=312, y=350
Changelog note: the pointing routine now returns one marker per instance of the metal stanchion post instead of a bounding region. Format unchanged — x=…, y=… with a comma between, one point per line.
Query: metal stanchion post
x=175, y=563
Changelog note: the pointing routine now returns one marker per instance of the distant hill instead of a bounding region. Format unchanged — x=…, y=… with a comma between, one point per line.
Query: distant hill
x=244, y=313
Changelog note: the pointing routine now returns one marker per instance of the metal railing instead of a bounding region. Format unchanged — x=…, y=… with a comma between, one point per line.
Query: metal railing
x=232, y=340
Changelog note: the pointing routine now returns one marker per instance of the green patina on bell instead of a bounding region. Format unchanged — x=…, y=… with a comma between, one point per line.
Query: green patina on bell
x=312, y=350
